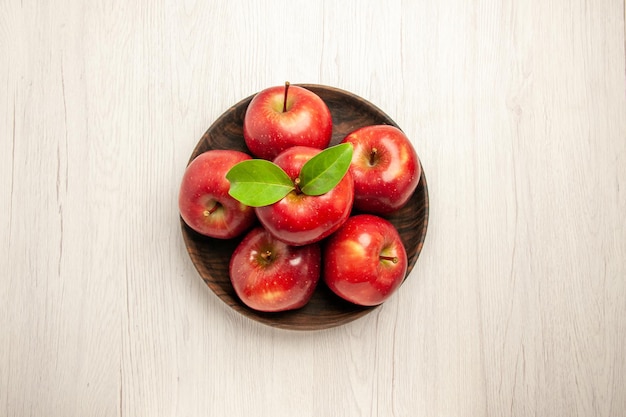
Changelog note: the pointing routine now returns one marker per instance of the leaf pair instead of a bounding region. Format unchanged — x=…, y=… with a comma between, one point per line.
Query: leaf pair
x=258, y=182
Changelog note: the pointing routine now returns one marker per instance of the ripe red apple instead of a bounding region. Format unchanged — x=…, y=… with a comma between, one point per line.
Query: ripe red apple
x=280, y=117
x=365, y=260
x=203, y=199
x=269, y=275
x=299, y=219
x=385, y=168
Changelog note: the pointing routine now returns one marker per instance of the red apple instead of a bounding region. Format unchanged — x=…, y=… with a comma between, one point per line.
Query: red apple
x=280, y=117
x=385, y=168
x=300, y=219
x=365, y=260
x=203, y=199
x=269, y=275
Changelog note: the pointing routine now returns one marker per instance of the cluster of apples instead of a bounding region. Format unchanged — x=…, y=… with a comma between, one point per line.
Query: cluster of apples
x=306, y=210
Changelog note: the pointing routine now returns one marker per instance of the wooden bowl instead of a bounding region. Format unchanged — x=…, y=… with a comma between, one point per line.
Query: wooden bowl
x=211, y=257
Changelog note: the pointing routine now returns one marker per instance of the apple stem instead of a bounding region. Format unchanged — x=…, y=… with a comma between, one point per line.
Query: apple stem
x=373, y=156
x=212, y=210
x=285, y=100
x=296, y=184
x=267, y=255
x=393, y=259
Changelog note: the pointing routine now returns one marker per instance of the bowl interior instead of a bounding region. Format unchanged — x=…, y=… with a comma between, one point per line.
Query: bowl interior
x=211, y=257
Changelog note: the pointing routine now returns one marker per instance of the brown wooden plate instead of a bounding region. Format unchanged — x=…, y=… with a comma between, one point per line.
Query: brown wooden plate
x=211, y=257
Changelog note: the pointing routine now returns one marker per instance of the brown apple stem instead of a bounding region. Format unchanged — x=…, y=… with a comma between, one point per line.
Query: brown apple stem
x=267, y=255
x=296, y=184
x=373, y=156
x=393, y=259
x=212, y=210
x=285, y=100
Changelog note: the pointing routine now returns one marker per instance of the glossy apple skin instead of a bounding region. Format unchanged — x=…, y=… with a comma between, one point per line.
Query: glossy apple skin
x=353, y=268
x=203, y=185
x=283, y=281
x=268, y=131
x=300, y=219
x=385, y=182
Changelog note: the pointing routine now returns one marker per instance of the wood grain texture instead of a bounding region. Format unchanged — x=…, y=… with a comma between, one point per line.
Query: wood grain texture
x=517, y=306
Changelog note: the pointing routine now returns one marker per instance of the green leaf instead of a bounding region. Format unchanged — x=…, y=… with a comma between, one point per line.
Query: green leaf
x=258, y=182
x=323, y=172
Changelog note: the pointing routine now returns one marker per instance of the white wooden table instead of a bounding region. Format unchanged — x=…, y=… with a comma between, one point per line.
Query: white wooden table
x=516, y=306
